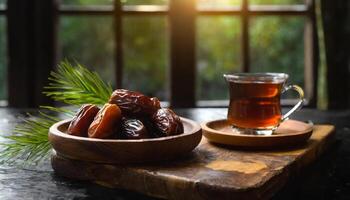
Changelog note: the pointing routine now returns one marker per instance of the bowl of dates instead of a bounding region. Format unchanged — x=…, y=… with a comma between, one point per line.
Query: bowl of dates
x=129, y=128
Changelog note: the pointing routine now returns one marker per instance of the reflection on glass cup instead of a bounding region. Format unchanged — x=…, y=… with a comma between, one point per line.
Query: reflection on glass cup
x=255, y=106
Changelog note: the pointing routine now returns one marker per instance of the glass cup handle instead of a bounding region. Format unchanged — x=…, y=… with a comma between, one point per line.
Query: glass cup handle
x=298, y=105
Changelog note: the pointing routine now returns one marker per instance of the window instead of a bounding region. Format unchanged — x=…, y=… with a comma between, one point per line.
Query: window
x=89, y=41
x=268, y=35
x=89, y=38
x=272, y=33
x=218, y=52
x=178, y=50
x=277, y=44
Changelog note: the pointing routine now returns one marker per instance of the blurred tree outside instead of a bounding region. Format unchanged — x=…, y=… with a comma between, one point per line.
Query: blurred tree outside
x=218, y=3
x=90, y=41
x=146, y=55
x=145, y=2
x=276, y=2
x=110, y=2
x=87, y=2
x=276, y=44
x=218, y=52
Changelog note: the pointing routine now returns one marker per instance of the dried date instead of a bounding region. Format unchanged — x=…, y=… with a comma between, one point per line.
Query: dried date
x=155, y=103
x=167, y=122
x=106, y=122
x=134, y=103
x=133, y=129
x=82, y=120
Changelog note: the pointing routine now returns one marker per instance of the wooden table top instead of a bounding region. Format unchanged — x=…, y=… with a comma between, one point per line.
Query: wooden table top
x=327, y=178
x=209, y=172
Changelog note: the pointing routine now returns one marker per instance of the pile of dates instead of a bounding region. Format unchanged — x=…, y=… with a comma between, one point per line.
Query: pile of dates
x=127, y=115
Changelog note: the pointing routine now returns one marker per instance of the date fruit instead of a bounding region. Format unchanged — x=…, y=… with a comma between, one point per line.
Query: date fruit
x=134, y=103
x=105, y=122
x=81, y=121
x=167, y=122
x=133, y=129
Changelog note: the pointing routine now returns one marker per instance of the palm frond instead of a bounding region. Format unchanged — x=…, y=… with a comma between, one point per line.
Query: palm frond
x=76, y=85
x=28, y=141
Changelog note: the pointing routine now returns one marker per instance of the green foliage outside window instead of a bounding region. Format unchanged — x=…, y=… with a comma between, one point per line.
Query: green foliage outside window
x=274, y=2
x=276, y=44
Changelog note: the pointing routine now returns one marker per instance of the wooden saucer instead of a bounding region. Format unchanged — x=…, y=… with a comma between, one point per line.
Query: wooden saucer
x=116, y=151
x=289, y=133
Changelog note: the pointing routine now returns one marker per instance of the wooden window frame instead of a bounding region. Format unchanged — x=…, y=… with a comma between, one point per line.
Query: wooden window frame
x=182, y=54
x=182, y=16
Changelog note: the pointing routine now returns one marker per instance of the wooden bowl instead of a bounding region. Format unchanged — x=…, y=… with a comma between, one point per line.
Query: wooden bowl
x=289, y=133
x=124, y=151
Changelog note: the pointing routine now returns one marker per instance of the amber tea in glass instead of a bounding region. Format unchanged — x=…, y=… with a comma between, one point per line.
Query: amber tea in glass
x=255, y=101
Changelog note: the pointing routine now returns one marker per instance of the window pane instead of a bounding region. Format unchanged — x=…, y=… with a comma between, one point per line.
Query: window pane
x=110, y=2
x=146, y=55
x=277, y=45
x=2, y=3
x=3, y=66
x=87, y=2
x=89, y=41
x=145, y=2
x=276, y=2
x=218, y=52
x=220, y=3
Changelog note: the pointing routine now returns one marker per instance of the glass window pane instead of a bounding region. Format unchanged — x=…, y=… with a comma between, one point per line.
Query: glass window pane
x=220, y=3
x=218, y=52
x=2, y=3
x=277, y=45
x=3, y=56
x=87, y=2
x=272, y=2
x=89, y=41
x=110, y=2
x=146, y=55
x=145, y=2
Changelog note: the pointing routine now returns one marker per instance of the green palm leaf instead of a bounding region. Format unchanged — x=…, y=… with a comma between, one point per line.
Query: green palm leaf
x=75, y=85
x=28, y=141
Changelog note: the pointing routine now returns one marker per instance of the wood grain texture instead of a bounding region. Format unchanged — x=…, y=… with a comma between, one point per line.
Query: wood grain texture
x=209, y=172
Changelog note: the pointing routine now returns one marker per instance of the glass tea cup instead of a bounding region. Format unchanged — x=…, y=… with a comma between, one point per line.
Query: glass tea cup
x=255, y=106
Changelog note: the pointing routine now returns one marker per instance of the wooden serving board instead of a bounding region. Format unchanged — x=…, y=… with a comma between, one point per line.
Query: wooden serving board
x=209, y=172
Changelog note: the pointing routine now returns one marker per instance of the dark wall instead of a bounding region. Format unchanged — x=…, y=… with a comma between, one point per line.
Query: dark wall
x=32, y=50
x=336, y=24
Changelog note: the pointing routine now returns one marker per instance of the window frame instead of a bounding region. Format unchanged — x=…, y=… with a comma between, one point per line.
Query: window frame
x=245, y=12
x=183, y=44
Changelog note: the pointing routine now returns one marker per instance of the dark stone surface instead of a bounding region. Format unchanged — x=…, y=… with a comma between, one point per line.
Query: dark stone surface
x=328, y=178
